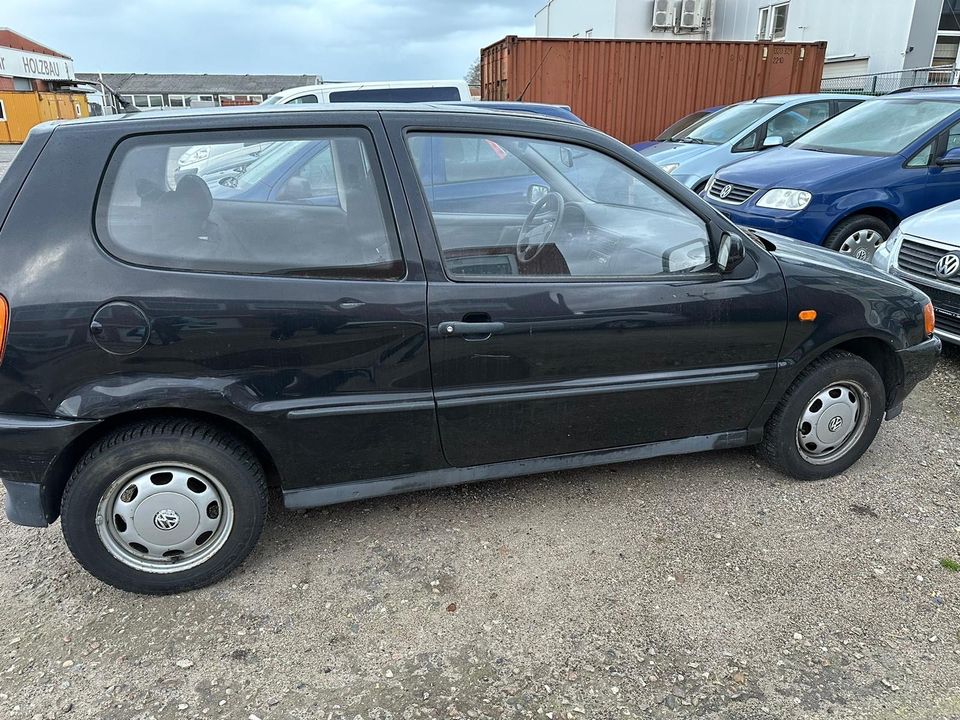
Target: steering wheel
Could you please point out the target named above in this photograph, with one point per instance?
(539, 226)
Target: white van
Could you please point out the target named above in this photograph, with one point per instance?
(403, 91)
(216, 160)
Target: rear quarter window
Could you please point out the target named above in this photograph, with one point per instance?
(264, 203)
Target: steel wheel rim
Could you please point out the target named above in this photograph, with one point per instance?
(164, 517)
(862, 244)
(832, 422)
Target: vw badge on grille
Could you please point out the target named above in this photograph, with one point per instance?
(726, 191)
(948, 265)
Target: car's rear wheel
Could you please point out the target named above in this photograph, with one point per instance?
(163, 507)
(827, 419)
(858, 236)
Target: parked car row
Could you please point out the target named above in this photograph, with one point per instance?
(865, 178)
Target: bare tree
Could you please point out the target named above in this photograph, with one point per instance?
(473, 74)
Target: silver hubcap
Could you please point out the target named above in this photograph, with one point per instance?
(833, 422)
(164, 518)
(862, 244)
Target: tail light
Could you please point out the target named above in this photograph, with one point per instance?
(929, 319)
(4, 324)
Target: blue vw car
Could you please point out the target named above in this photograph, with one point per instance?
(742, 130)
(849, 182)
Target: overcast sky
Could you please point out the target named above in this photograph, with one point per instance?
(337, 39)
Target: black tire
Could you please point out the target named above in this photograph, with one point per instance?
(128, 449)
(780, 446)
(852, 225)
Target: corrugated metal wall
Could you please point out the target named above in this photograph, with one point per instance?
(633, 89)
(23, 110)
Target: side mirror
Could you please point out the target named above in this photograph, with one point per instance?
(950, 158)
(535, 193)
(772, 141)
(730, 253)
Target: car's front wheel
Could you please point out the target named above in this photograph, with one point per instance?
(858, 236)
(163, 507)
(827, 419)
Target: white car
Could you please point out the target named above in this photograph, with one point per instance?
(925, 251)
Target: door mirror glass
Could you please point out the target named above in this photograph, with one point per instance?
(772, 141)
(950, 158)
(730, 253)
(535, 193)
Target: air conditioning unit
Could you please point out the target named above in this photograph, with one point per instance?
(692, 13)
(664, 14)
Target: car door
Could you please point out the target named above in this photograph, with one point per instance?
(943, 182)
(297, 309)
(617, 331)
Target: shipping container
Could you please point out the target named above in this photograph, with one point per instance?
(20, 111)
(633, 89)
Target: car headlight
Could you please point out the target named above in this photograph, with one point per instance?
(886, 255)
(785, 199)
(194, 156)
(670, 168)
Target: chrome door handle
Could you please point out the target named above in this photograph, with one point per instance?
(456, 327)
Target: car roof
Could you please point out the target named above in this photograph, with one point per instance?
(372, 85)
(933, 93)
(803, 97)
(440, 107)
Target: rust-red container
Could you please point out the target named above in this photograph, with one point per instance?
(633, 89)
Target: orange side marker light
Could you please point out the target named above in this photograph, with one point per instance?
(929, 319)
(808, 315)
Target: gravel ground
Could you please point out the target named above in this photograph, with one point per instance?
(697, 586)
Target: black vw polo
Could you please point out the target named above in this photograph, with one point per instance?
(370, 300)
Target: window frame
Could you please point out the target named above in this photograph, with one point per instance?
(763, 22)
(228, 135)
(714, 231)
(785, 6)
(3, 111)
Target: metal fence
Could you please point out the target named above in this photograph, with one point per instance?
(887, 82)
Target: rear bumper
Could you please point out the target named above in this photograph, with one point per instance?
(918, 362)
(30, 447)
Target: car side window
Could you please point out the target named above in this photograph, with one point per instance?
(923, 157)
(792, 123)
(539, 208)
(309, 99)
(308, 206)
(953, 138)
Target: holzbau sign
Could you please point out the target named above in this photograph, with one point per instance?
(17, 63)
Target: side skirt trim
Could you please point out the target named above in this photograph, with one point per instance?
(446, 477)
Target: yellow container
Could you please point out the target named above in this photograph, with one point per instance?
(23, 110)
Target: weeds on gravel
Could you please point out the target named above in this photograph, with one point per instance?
(949, 564)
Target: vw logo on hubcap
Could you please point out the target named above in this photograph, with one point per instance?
(726, 191)
(948, 265)
(835, 423)
(166, 520)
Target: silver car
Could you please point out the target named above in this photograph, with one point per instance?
(925, 251)
(739, 131)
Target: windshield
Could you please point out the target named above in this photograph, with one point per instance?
(877, 127)
(682, 124)
(723, 126)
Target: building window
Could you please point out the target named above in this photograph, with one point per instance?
(181, 101)
(3, 112)
(764, 22)
(950, 16)
(144, 102)
(240, 99)
(22, 84)
(772, 23)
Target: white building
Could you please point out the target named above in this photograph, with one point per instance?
(863, 36)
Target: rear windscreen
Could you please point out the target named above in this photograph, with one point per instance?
(404, 94)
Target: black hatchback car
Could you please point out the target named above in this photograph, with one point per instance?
(383, 299)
